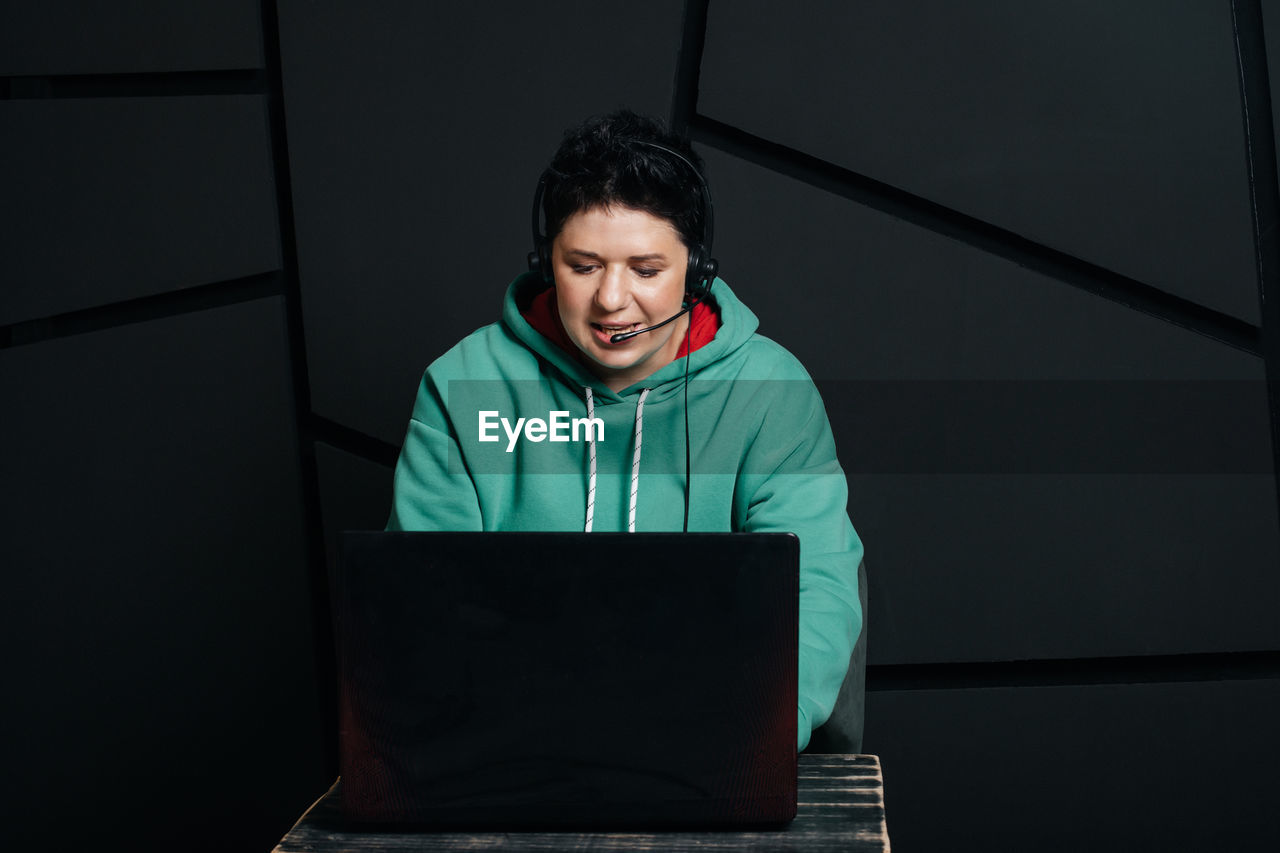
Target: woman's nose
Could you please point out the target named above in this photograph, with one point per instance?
(612, 294)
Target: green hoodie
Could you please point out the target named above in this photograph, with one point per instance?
(763, 459)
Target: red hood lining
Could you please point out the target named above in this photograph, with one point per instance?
(543, 315)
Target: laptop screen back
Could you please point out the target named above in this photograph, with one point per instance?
(507, 679)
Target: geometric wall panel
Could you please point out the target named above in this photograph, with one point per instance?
(88, 37)
(1172, 766)
(355, 494)
(416, 138)
(1109, 131)
(112, 199)
(1020, 567)
(898, 302)
(986, 544)
(1271, 36)
(158, 654)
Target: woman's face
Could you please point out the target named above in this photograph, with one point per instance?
(618, 269)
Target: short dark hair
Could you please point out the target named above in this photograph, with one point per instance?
(599, 164)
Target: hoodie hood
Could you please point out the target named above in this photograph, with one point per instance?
(737, 325)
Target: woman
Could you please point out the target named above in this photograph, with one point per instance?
(625, 388)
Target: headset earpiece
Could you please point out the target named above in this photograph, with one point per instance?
(540, 257)
(702, 270)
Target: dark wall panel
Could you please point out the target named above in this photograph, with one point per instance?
(977, 550)
(355, 494)
(416, 136)
(108, 200)
(158, 648)
(910, 304)
(90, 37)
(1118, 767)
(1271, 38)
(1109, 131)
(1001, 567)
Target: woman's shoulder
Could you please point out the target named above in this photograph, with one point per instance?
(490, 352)
(487, 356)
(761, 357)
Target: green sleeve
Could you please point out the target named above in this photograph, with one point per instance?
(432, 489)
(799, 487)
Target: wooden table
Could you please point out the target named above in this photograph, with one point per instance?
(840, 808)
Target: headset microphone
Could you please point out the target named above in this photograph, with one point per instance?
(626, 336)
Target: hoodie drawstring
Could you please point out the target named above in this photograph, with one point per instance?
(635, 462)
(591, 465)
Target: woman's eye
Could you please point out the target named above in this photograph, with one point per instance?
(645, 272)
(582, 269)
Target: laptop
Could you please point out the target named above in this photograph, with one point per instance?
(594, 680)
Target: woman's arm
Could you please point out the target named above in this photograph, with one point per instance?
(793, 482)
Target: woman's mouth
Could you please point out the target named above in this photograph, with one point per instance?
(604, 332)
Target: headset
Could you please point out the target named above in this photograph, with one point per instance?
(697, 278)
(702, 267)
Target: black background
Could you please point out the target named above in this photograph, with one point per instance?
(234, 234)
